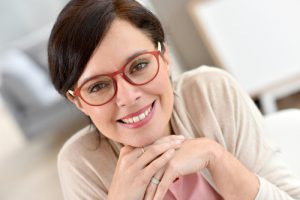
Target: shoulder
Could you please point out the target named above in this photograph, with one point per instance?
(209, 99)
(85, 165)
(208, 83)
(205, 76)
(204, 69)
(88, 145)
(82, 143)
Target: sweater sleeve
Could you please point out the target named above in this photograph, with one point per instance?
(83, 167)
(277, 181)
(213, 96)
(78, 182)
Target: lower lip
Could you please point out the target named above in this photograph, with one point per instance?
(143, 121)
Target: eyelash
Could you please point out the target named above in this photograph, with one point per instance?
(97, 85)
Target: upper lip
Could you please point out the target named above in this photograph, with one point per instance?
(136, 113)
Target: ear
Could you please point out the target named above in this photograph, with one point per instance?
(76, 101)
(166, 57)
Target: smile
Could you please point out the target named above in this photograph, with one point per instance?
(138, 119)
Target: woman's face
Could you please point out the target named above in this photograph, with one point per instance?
(154, 99)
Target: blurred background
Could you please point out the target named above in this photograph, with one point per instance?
(256, 41)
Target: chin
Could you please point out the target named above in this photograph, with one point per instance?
(140, 143)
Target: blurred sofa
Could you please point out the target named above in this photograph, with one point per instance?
(27, 91)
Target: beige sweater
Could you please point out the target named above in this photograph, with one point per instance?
(208, 103)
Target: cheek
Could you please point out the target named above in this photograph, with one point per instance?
(163, 83)
(103, 119)
(101, 116)
(164, 89)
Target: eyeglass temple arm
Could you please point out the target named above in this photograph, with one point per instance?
(159, 47)
(71, 92)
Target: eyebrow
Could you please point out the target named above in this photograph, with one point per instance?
(134, 55)
(127, 60)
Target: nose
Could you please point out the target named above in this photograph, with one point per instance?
(127, 94)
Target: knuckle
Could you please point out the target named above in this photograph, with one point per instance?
(124, 150)
(124, 161)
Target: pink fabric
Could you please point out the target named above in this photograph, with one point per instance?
(191, 187)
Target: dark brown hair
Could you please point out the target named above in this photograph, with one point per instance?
(80, 28)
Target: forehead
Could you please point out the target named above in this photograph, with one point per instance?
(123, 31)
(121, 42)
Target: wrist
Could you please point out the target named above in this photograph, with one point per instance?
(231, 177)
(216, 154)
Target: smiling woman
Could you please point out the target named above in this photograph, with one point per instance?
(190, 139)
(131, 91)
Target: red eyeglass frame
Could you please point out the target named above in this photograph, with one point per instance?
(121, 71)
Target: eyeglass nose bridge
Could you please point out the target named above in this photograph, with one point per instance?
(115, 81)
(122, 73)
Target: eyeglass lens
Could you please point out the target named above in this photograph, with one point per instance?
(139, 71)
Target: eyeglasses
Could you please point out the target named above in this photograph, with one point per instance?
(138, 71)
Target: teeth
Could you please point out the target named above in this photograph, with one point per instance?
(147, 112)
(142, 116)
(137, 118)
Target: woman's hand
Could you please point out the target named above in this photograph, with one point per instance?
(193, 156)
(231, 177)
(136, 167)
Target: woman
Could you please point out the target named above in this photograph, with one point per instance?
(200, 138)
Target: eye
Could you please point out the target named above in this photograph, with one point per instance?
(139, 66)
(99, 87)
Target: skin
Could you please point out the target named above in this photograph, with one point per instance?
(111, 56)
(166, 156)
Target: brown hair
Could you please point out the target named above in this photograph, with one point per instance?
(80, 28)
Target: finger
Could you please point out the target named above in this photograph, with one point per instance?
(166, 180)
(155, 151)
(169, 138)
(160, 162)
(151, 189)
(148, 172)
(128, 155)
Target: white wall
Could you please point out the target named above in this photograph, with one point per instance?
(21, 17)
(180, 29)
(177, 63)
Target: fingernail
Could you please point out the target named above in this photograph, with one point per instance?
(179, 141)
(181, 137)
